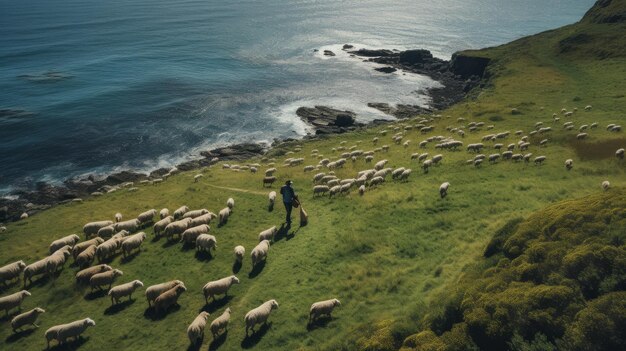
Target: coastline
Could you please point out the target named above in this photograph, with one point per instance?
(458, 76)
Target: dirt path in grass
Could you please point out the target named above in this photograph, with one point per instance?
(238, 190)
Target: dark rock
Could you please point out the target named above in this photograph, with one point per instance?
(329, 53)
(387, 69)
(348, 46)
(235, 152)
(411, 57)
(344, 120)
(158, 173)
(372, 53)
(400, 111)
(125, 176)
(467, 66)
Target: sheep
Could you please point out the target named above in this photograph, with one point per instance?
(12, 301)
(86, 257)
(218, 287)
(239, 252)
(204, 219)
(581, 136)
(197, 177)
(259, 253)
(177, 228)
(569, 163)
(52, 333)
(334, 190)
(269, 181)
(230, 203)
(206, 242)
(168, 298)
(320, 189)
(132, 242)
(259, 315)
(478, 162)
(160, 226)
(118, 217)
(375, 181)
(180, 212)
(318, 177)
(126, 289)
(422, 157)
(619, 154)
(146, 216)
(270, 172)
(152, 292)
(527, 157)
(57, 259)
(443, 189)
(493, 158)
(362, 189)
(253, 169)
(11, 271)
(80, 247)
(268, 234)
(606, 185)
(87, 273)
(220, 322)
(70, 240)
(93, 227)
(107, 248)
(131, 225)
(426, 165)
(223, 215)
(539, 160)
(73, 329)
(26, 318)
(195, 331)
(190, 235)
(164, 213)
(106, 232)
(405, 174)
(24, 215)
(309, 168)
(380, 164)
(322, 307)
(33, 269)
(195, 213)
(99, 279)
(397, 172)
(544, 142)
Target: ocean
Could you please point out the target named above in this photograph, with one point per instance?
(93, 87)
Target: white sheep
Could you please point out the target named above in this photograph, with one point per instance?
(270, 172)
(259, 315)
(320, 189)
(146, 216)
(190, 235)
(87, 273)
(195, 213)
(362, 189)
(26, 318)
(259, 253)
(619, 153)
(107, 248)
(204, 219)
(132, 242)
(443, 189)
(223, 215)
(73, 329)
(177, 228)
(397, 172)
(57, 259)
(70, 240)
(218, 287)
(197, 177)
(269, 181)
(322, 307)
(206, 242)
(80, 247)
(152, 292)
(11, 271)
(105, 278)
(405, 174)
(539, 159)
(195, 331)
(24, 215)
(268, 234)
(569, 163)
(106, 232)
(230, 203)
(131, 225)
(581, 136)
(606, 185)
(86, 256)
(51, 333)
(272, 199)
(160, 226)
(239, 252)
(180, 212)
(118, 217)
(35, 268)
(12, 301)
(220, 323)
(93, 227)
(126, 289)
(168, 298)
(164, 213)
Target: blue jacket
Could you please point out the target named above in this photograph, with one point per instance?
(288, 193)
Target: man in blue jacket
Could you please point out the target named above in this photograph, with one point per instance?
(289, 196)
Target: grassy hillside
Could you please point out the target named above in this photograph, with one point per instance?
(389, 255)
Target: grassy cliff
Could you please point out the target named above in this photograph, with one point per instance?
(390, 255)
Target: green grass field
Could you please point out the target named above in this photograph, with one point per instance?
(388, 256)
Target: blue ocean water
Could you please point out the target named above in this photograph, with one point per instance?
(100, 86)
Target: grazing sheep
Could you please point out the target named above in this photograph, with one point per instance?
(380, 165)
(588, 108)
(405, 174)
(539, 159)
(69, 240)
(218, 287)
(26, 318)
(527, 157)
(195, 331)
(220, 323)
(270, 172)
(190, 235)
(397, 172)
(118, 217)
(33, 269)
(146, 216)
(131, 225)
(132, 242)
(259, 253)
(93, 227)
(164, 213)
(443, 189)
(204, 219)
(374, 181)
(426, 165)
(239, 252)
(86, 257)
(127, 289)
(11, 271)
(107, 248)
(168, 298)
(206, 242)
(152, 292)
(334, 190)
(105, 278)
(223, 216)
(177, 228)
(197, 177)
(230, 203)
(180, 212)
(80, 247)
(87, 273)
(195, 213)
(268, 234)
(322, 307)
(320, 189)
(259, 315)
(581, 136)
(24, 215)
(73, 329)
(362, 190)
(493, 158)
(606, 185)
(569, 163)
(269, 181)
(51, 333)
(619, 154)
(106, 232)
(12, 301)
(160, 226)
(57, 259)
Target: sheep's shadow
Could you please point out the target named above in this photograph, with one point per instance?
(270, 208)
(320, 322)
(118, 307)
(10, 315)
(6, 287)
(195, 347)
(223, 223)
(204, 255)
(20, 334)
(96, 294)
(39, 282)
(256, 270)
(236, 267)
(70, 345)
(282, 232)
(131, 257)
(151, 314)
(155, 238)
(169, 242)
(187, 246)
(255, 337)
(215, 305)
(219, 341)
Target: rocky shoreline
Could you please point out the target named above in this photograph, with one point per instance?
(458, 76)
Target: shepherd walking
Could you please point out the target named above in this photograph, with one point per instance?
(289, 197)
